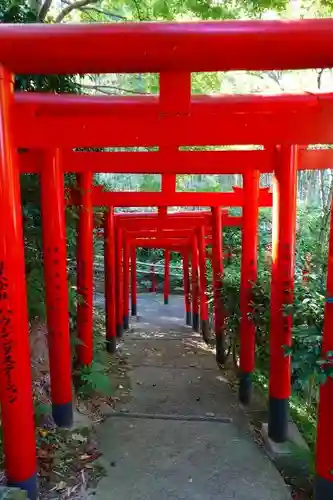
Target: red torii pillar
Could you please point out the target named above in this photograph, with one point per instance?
(126, 282)
(203, 283)
(323, 484)
(85, 262)
(248, 277)
(195, 283)
(119, 282)
(186, 276)
(17, 411)
(110, 281)
(133, 282)
(166, 276)
(56, 287)
(217, 264)
(282, 289)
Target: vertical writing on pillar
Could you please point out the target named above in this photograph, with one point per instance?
(54, 256)
(287, 290)
(83, 291)
(6, 332)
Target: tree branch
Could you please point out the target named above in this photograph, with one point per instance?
(137, 7)
(101, 11)
(104, 89)
(72, 6)
(319, 76)
(44, 10)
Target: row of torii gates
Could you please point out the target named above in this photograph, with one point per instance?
(41, 133)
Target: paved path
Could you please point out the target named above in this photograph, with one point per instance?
(183, 435)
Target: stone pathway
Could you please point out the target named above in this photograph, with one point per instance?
(183, 435)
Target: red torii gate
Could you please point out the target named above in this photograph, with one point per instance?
(58, 49)
(261, 197)
(183, 222)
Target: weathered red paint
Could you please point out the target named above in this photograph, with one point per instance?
(217, 265)
(166, 290)
(85, 261)
(126, 280)
(195, 280)
(174, 161)
(154, 47)
(324, 449)
(17, 411)
(248, 274)
(202, 274)
(119, 281)
(169, 120)
(133, 281)
(283, 264)
(100, 197)
(56, 285)
(186, 278)
(110, 278)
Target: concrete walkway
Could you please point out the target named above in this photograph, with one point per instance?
(183, 435)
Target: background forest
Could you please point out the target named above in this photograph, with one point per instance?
(314, 188)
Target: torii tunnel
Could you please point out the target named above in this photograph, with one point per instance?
(50, 128)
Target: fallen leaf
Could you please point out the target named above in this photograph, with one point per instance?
(43, 432)
(60, 486)
(79, 437)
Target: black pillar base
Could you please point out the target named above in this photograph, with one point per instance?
(134, 310)
(188, 318)
(195, 324)
(29, 485)
(126, 323)
(278, 419)
(166, 301)
(205, 330)
(220, 354)
(120, 331)
(323, 488)
(111, 345)
(245, 388)
(63, 414)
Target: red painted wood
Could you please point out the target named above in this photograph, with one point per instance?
(119, 277)
(202, 274)
(181, 162)
(308, 126)
(126, 281)
(181, 223)
(133, 279)
(217, 265)
(85, 261)
(17, 411)
(141, 199)
(154, 47)
(186, 279)
(248, 270)
(55, 275)
(283, 264)
(166, 276)
(195, 275)
(324, 451)
(167, 243)
(110, 275)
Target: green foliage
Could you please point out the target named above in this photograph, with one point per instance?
(21, 12)
(95, 379)
(309, 370)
